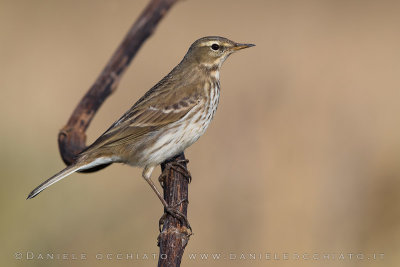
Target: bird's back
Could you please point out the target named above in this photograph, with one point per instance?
(168, 118)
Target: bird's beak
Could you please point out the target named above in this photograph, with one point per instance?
(241, 46)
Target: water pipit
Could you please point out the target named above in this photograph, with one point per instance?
(170, 117)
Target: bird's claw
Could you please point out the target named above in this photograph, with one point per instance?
(174, 212)
(177, 166)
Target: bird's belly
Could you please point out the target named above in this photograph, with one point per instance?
(177, 137)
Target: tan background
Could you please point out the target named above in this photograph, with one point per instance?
(302, 157)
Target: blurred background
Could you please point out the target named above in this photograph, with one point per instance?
(303, 156)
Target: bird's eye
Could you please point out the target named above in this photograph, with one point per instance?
(215, 47)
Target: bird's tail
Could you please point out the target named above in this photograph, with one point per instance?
(54, 179)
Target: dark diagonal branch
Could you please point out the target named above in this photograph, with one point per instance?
(72, 138)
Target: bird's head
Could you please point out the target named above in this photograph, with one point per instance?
(212, 51)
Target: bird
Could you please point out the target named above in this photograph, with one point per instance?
(166, 120)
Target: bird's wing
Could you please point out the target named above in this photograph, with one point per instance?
(147, 115)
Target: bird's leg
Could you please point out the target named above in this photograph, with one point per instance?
(173, 211)
(147, 176)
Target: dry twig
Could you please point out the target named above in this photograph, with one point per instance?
(72, 137)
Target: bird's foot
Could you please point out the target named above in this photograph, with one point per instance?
(174, 212)
(177, 166)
